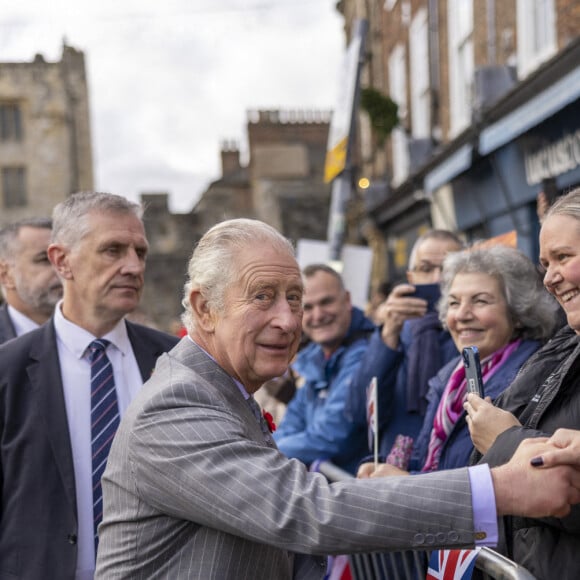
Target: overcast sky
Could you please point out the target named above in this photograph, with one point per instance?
(170, 80)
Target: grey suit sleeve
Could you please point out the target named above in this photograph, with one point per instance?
(199, 462)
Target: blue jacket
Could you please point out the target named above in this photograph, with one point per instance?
(316, 424)
(458, 447)
(390, 368)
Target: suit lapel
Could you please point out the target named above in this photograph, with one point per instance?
(146, 353)
(192, 356)
(46, 380)
(6, 326)
(189, 354)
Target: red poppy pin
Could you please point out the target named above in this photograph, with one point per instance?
(269, 420)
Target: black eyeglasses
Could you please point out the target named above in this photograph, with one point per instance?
(427, 268)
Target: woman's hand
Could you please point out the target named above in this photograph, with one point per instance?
(367, 470)
(395, 310)
(485, 421)
(566, 443)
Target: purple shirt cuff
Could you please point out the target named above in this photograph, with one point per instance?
(483, 501)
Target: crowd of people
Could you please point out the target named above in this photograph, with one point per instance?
(492, 298)
(127, 452)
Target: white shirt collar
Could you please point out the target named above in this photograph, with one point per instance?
(22, 324)
(241, 387)
(77, 339)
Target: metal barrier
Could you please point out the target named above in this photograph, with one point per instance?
(412, 564)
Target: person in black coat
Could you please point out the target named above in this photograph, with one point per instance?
(544, 397)
(46, 490)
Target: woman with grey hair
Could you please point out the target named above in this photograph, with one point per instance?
(530, 307)
(491, 298)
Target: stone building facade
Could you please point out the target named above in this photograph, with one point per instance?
(46, 155)
(45, 134)
(286, 168)
(281, 184)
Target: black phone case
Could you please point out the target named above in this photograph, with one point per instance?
(429, 292)
(473, 370)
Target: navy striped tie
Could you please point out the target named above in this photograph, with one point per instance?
(104, 420)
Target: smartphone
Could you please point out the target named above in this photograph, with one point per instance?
(473, 370)
(429, 292)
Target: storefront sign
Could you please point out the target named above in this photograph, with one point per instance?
(554, 159)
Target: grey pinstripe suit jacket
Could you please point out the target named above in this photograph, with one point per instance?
(193, 489)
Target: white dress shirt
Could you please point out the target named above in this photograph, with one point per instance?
(72, 342)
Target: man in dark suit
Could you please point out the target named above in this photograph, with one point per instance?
(30, 285)
(195, 486)
(47, 515)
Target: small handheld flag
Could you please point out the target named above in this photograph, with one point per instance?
(373, 419)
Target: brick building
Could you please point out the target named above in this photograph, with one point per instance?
(282, 183)
(45, 135)
(487, 92)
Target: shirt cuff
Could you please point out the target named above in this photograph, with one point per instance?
(483, 503)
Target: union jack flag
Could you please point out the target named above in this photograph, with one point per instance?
(451, 564)
(339, 569)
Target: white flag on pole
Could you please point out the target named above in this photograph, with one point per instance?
(373, 418)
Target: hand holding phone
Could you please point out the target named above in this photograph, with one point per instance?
(473, 370)
(429, 292)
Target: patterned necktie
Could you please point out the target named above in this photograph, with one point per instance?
(104, 420)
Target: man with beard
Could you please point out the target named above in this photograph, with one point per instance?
(30, 285)
(64, 385)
